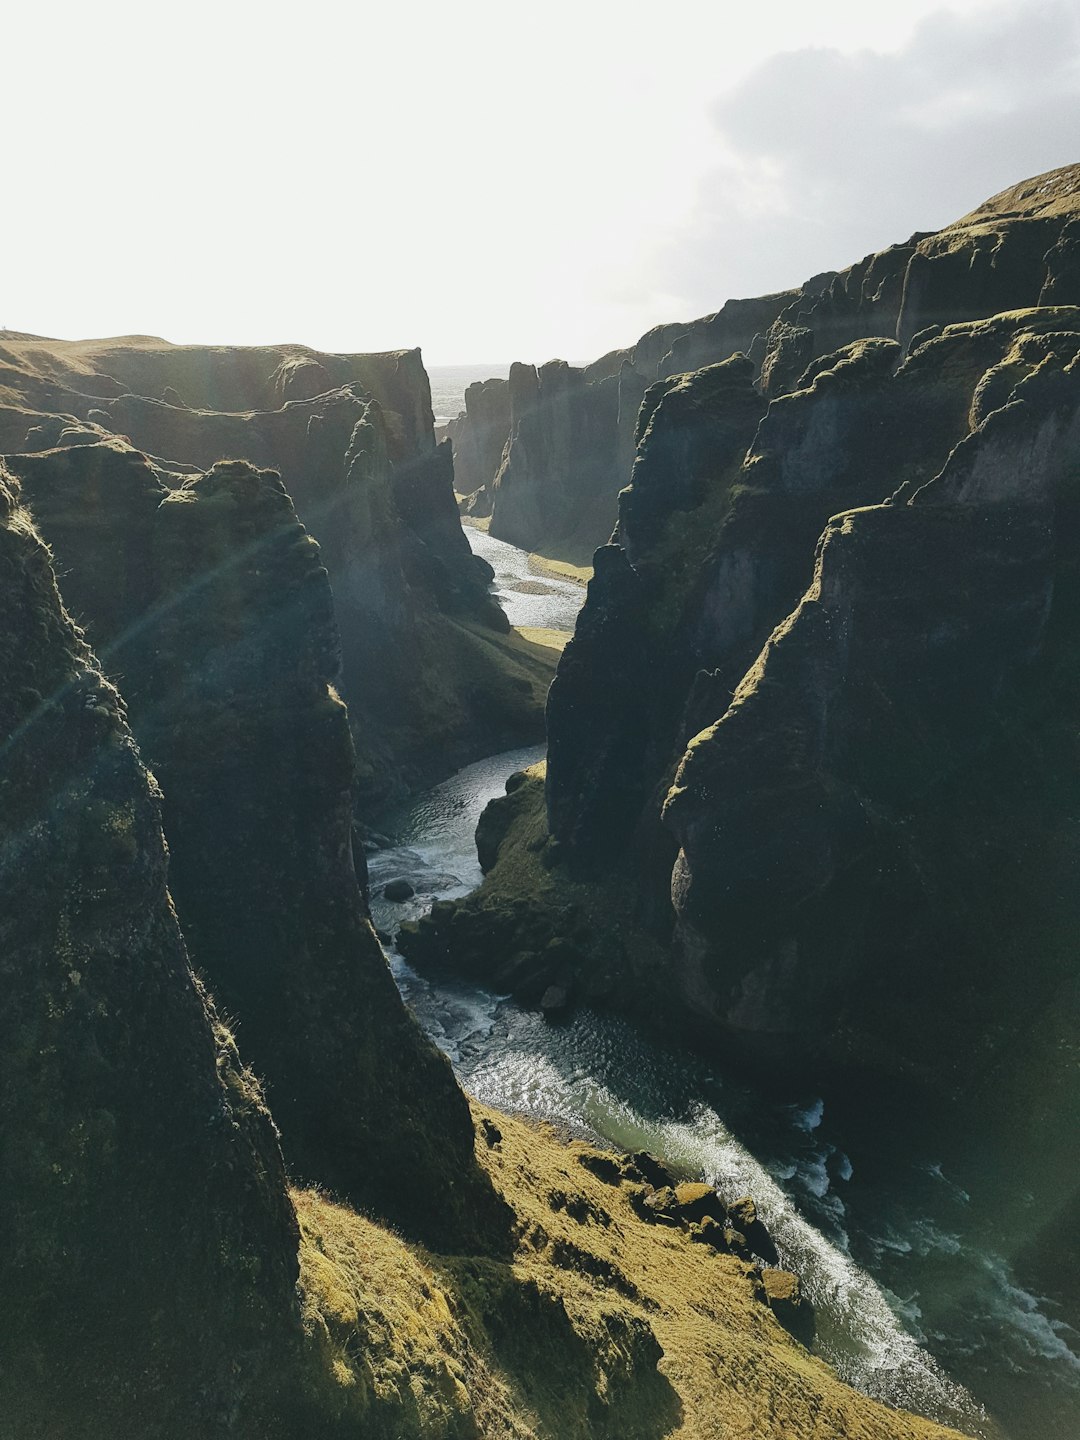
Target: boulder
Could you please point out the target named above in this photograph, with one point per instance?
(785, 1298)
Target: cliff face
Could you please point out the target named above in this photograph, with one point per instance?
(479, 436)
(895, 675)
(554, 479)
(212, 604)
(1017, 250)
(352, 439)
(716, 544)
(157, 1278)
(766, 891)
(149, 1257)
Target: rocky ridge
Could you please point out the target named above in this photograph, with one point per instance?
(1017, 250)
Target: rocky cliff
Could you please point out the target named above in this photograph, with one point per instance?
(150, 1251)
(810, 784)
(431, 675)
(157, 1277)
(212, 603)
(717, 536)
(1017, 250)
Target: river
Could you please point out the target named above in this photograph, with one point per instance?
(915, 1305)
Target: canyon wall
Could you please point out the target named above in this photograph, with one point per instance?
(432, 675)
(212, 603)
(1017, 250)
(149, 1265)
(159, 1277)
(809, 785)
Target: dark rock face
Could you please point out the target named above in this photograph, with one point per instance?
(898, 668)
(479, 436)
(616, 702)
(352, 439)
(212, 603)
(1017, 250)
(555, 476)
(149, 1253)
(707, 569)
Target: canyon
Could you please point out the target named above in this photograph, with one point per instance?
(806, 809)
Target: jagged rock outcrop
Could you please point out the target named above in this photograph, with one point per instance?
(431, 676)
(149, 1248)
(1017, 250)
(212, 604)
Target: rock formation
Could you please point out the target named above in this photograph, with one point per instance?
(149, 1256)
(553, 480)
(157, 1277)
(479, 436)
(211, 603)
(431, 676)
(1017, 250)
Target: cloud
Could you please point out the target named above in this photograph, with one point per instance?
(824, 156)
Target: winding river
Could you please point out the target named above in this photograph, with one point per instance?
(915, 1305)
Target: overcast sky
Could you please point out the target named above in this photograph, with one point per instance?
(495, 180)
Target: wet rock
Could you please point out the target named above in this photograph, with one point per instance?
(662, 1206)
(491, 1132)
(398, 890)
(709, 1231)
(555, 1001)
(605, 1167)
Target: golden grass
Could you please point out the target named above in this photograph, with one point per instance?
(561, 569)
(549, 639)
(599, 1324)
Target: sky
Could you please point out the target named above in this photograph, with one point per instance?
(493, 181)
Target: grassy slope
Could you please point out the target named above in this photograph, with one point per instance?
(561, 1339)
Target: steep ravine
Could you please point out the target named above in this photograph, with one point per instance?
(157, 1277)
(904, 1275)
(857, 1245)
